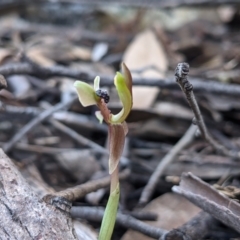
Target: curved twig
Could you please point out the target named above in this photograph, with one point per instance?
(181, 73)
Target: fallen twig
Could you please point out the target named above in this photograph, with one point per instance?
(158, 3)
(63, 128)
(42, 116)
(39, 148)
(96, 214)
(60, 71)
(74, 193)
(82, 140)
(210, 200)
(135, 3)
(77, 137)
(144, 216)
(181, 73)
(196, 228)
(169, 157)
(62, 116)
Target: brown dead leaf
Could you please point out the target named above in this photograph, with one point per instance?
(48, 50)
(79, 52)
(94, 68)
(173, 211)
(80, 163)
(7, 95)
(173, 110)
(4, 53)
(159, 127)
(3, 82)
(37, 55)
(145, 51)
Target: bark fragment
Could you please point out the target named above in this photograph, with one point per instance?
(23, 215)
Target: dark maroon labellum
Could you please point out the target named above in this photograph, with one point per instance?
(103, 94)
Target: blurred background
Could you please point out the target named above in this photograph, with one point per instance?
(45, 45)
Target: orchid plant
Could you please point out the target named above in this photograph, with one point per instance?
(117, 127)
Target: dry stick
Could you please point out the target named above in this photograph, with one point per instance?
(40, 149)
(77, 137)
(209, 199)
(33, 111)
(45, 72)
(133, 3)
(157, 3)
(144, 216)
(74, 193)
(181, 73)
(41, 117)
(96, 214)
(80, 139)
(196, 228)
(171, 155)
(63, 116)
(45, 114)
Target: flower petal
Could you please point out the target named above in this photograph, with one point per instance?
(128, 77)
(96, 83)
(86, 94)
(116, 145)
(125, 97)
(99, 116)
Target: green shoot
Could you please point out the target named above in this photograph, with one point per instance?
(89, 95)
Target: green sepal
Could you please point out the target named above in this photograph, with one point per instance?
(125, 97)
(99, 116)
(96, 85)
(110, 215)
(86, 94)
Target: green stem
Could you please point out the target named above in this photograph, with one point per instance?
(114, 180)
(110, 213)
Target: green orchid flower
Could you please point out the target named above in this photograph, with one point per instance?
(88, 96)
(123, 83)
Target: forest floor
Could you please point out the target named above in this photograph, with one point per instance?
(178, 162)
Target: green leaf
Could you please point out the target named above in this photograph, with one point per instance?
(109, 217)
(86, 94)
